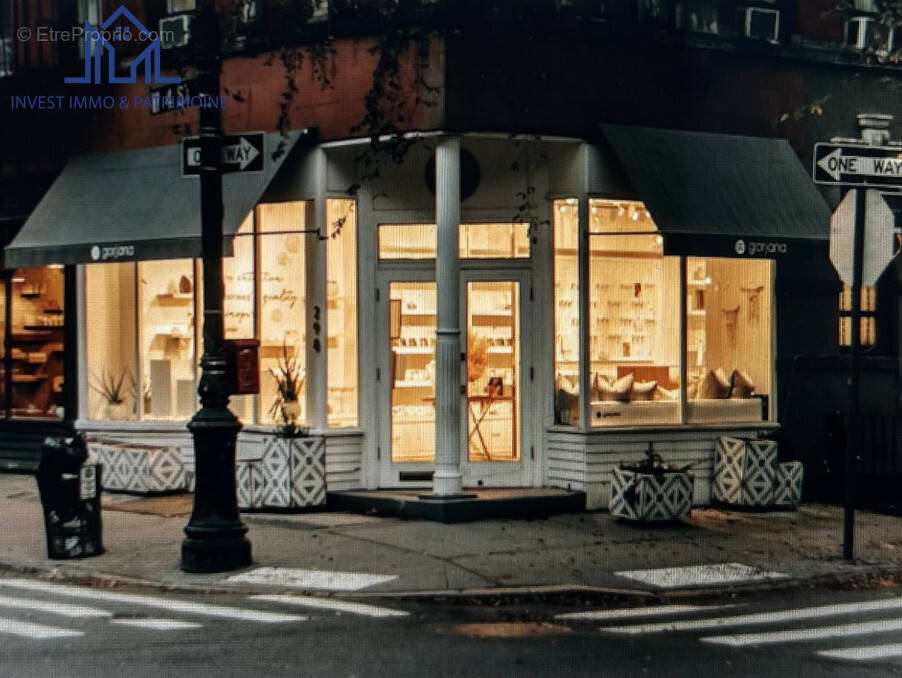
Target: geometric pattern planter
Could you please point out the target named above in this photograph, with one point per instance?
(140, 469)
(788, 487)
(745, 472)
(291, 473)
(650, 497)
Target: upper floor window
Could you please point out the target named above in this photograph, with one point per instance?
(868, 332)
(6, 46)
(90, 11)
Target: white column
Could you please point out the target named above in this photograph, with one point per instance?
(315, 283)
(447, 479)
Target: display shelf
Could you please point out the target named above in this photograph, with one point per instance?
(40, 334)
(41, 328)
(176, 296)
(402, 383)
(501, 349)
(28, 378)
(416, 312)
(414, 350)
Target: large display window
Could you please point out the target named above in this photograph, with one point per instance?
(35, 361)
(144, 334)
(341, 303)
(635, 329)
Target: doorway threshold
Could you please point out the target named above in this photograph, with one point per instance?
(476, 504)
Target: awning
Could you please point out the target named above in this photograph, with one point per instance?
(723, 195)
(134, 205)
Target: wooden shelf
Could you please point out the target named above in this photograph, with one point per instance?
(28, 378)
(416, 350)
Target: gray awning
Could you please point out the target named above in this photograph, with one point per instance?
(722, 195)
(133, 205)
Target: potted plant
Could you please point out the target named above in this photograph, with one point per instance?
(291, 472)
(286, 408)
(114, 388)
(650, 490)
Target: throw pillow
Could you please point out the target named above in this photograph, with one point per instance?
(643, 390)
(715, 384)
(742, 385)
(617, 391)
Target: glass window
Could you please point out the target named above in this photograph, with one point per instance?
(280, 296)
(634, 325)
(2, 348)
(868, 331)
(111, 343)
(167, 305)
(729, 355)
(239, 303)
(36, 342)
(477, 241)
(566, 312)
(341, 304)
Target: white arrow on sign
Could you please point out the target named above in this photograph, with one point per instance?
(242, 154)
(878, 237)
(836, 164)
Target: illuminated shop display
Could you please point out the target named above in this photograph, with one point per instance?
(144, 321)
(635, 328)
(35, 362)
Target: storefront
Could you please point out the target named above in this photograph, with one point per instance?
(633, 270)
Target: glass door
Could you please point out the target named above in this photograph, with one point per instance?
(493, 407)
(406, 382)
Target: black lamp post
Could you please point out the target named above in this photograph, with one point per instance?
(216, 539)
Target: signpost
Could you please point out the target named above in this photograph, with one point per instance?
(858, 165)
(240, 153)
(861, 246)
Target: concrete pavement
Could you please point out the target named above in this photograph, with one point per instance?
(586, 552)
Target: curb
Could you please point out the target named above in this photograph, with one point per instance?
(867, 577)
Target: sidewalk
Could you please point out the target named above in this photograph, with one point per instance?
(143, 537)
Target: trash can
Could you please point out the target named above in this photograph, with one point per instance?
(70, 496)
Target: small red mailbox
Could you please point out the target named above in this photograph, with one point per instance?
(244, 360)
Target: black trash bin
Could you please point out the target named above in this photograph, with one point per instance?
(70, 495)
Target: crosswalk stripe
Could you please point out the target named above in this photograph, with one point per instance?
(865, 653)
(336, 605)
(157, 624)
(761, 618)
(54, 608)
(149, 601)
(819, 633)
(35, 631)
(634, 612)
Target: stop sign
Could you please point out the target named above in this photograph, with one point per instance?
(877, 249)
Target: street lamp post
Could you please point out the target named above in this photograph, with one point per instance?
(216, 540)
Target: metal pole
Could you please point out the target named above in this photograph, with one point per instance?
(216, 539)
(852, 420)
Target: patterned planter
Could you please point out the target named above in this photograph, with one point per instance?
(650, 497)
(140, 469)
(291, 473)
(745, 472)
(788, 490)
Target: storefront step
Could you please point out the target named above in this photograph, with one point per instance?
(480, 504)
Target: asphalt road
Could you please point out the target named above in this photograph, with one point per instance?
(63, 630)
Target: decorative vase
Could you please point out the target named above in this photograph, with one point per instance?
(650, 497)
(115, 411)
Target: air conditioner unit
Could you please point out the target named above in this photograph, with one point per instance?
(760, 23)
(858, 32)
(175, 31)
(178, 6)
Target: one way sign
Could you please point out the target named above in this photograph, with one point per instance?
(240, 153)
(857, 165)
